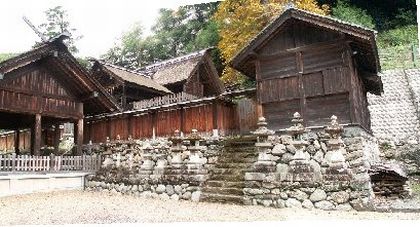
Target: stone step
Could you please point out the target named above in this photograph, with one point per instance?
(228, 177)
(219, 198)
(234, 165)
(239, 155)
(227, 184)
(228, 171)
(236, 160)
(223, 191)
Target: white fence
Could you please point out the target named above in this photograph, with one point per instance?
(30, 163)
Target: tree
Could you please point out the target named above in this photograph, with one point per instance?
(346, 12)
(57, 23)
(176, 32)
(240, 20)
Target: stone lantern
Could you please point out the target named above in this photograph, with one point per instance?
(300, 168)
(177, 150)
(265, 160)
(194, 160)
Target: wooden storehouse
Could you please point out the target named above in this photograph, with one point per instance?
(194, 74)
(311, 64)
(126, 86)
(45, 87)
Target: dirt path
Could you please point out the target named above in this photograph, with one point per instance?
(71, 207)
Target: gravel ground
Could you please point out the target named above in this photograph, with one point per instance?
(77, 207)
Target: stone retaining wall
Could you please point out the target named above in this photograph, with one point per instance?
(173, 168)
(305, 169)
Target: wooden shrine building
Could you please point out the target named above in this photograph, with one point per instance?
(315, 65)
(46, 87)
(126, 86)
(193, 73)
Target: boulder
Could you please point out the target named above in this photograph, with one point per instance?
(307, 204)
(170, 190)
(160, 188)
(278, 150)
(164, 196)
(324, 205)
(318, 195)
(340, 197)
(178, 189)
(344, 207)
(293, 203)
(195, 196)
(186, 195)
(299, 195)
(280, 203)
(175, 197)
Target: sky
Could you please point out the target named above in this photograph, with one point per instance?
(101, 22)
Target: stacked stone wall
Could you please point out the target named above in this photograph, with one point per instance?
(173, 168)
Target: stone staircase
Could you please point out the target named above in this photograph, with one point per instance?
(226, 180)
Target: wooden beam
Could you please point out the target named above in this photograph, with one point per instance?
(299, 63)
(260, 112)
(17, 141)
(79, 136)
(56, 138)
(37, 135)
(182, 121)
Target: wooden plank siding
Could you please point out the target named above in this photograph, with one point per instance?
(200, 116)
(307, 70)
(33, 89)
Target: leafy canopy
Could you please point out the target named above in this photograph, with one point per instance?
(56, 23)
(240, 20)
(176, 32)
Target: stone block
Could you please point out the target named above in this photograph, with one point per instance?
(318, 195)
(324, 205)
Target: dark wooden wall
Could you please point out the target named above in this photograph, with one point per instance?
(33, 89)
(7, 140)
(203, 116)
(308, 70)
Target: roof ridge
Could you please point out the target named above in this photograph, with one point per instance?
(175, 60)
(139, 73)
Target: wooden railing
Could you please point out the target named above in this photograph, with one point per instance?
(163, 100)
(30, 163)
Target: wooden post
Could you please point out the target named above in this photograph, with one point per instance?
(299, 63)
(129, 126)
(56, 137)
(154, 124)
(37, 135)
(182, 121)
(259, 90)
(17, 141)
(215, 117)
(79, 136)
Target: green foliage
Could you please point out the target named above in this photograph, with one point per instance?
(346, 12)
(5, 56)
(398, 36)
(57, 23)
(176, 32)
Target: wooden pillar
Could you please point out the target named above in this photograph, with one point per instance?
(37, 134)
(215, 115)
(154, 124)
(17, 141)
(259, 90)
(79, 136)
(299, 63)
(182, 121)
(56, 138)
(129, 126)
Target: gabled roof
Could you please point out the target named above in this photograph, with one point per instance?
(132, 77)
(176, 69)
(362, 39)
(60, 60)
(180, 69)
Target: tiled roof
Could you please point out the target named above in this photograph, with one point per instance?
(394, 115)
(174, 70)
(135, 77)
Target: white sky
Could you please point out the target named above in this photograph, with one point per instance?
(101, 22)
